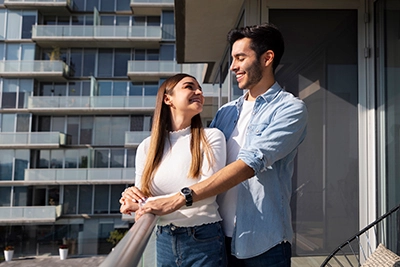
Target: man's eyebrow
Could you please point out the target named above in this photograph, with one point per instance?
(239, 54)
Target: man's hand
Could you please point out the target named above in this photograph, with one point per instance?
(162, 205)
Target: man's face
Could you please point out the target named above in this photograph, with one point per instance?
(245, 64)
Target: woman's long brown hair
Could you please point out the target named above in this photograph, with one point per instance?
(160, 132)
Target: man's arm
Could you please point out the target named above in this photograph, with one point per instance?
(219, 182)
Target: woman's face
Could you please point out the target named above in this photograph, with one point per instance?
(186, 98)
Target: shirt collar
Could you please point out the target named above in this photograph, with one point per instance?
(268, 96)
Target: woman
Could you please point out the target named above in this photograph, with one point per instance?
(179, 153)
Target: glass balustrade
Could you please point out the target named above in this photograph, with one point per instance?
(90, 102)
(105, 31)
(33, 67)
(43, 213)
(136, 137)
(10, 139)
(107, 175)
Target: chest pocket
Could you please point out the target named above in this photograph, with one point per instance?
(256, 129)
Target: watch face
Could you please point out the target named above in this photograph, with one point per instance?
(186, 190)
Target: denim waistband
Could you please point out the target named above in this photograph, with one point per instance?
(174, 230)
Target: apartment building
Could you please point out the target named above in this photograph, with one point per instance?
(78, 81)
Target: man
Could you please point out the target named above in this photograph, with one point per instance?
(263, 128)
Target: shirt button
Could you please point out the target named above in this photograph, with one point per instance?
(173, 228)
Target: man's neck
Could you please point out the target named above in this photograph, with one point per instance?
(259, 89)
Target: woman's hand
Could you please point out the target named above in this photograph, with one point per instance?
(162, 205)
(130, 200)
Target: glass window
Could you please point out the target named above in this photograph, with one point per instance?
(120, 88)
(73, 129)
(123, 5)
(101, 158)
(117, 158)
(27, 51)
(23, 122)
(70, 199)
(58, 124)
(21, 163)
(8, 123)
(2, 23)
(60, 89)
(71, 158)
(102, 130)
(57, 158)
(122, 20)
(101, 196)
(105, 88)
(53, 195)
(107, 5)
(86, 88)
(44, 159)
(2, 46)
(25, 90)
(167, 52)
(83, 158)
(75, 62)
(137, 122)
(86, 130)
(22, 196)
(153, 54)
(14, 25)
(9, 96)
(105, 63)
(136, 88)
(5, 195)
(74, 89)
(168, 25)
(138, 21)
(131, 155)
(122, 56)
(107, 20)
(140, 54)
(6, 163)
(89, 62)
(27, 22)
(153, 21)
(13, 52)
(85, 199)
(44, 124)
(78, 20)
(119, 125)
(151, 88)
(63, 20)
(115, 196)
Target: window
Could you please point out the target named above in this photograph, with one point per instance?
(70, 199)
(105, 62)
(27, 22)
(101, 199)
(85, 199)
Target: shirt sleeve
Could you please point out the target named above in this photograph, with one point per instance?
(271, 141)
(140, 161)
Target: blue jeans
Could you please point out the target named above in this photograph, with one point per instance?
(278, 256)
(198, 246)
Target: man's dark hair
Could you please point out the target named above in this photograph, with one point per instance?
(263, 37)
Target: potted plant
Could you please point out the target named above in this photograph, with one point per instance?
(63, 250)
(8, 253)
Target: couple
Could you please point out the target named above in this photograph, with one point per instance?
(185, 164)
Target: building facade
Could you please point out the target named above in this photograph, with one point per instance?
(78, 82)
(342, 58)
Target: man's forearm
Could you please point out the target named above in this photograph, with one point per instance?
(223, 180)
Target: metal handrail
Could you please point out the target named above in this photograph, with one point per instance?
(129, 250)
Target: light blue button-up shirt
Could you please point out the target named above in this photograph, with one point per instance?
(276, 128)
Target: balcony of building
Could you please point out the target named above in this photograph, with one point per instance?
(33, 139)
(76, 176)
(151, 7)
(133, 139)
(42, 70)
(90, 104)
(118, 36)
(150, 70)
(34, 214)
(59, 7)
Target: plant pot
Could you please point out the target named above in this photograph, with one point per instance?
(8, 254)
(63, 253)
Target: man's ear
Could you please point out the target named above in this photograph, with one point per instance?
(268, 57)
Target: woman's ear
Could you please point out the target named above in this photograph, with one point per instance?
(167, 99)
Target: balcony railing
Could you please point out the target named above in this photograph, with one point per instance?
(79, 176)
(130, 249)
(141, 7)
(140, 70)
(33, 140)
(46, 6)
(135, 138)
(30, 214)
(94, 36)
(94, 104)
(44, 70)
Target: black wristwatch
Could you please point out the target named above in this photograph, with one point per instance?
(187, 193)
